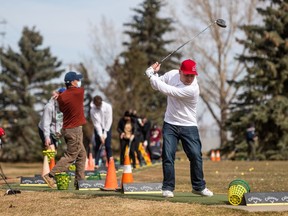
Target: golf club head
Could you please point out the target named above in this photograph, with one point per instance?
(12, 192)
(221, 23)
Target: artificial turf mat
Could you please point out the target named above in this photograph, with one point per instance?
(182, 197)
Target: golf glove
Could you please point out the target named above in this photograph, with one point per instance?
(149, 72)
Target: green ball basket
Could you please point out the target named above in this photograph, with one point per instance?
(240, 182)
(62, 181)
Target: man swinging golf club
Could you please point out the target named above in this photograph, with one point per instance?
(180, 123)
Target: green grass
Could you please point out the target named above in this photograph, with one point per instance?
(262, 176)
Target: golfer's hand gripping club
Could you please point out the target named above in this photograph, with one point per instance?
(152, 70)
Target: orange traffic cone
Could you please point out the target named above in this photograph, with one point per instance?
(213, 155)
(90, 162)
(45, 169)
(127, 171)
(218, 157)
(86, 163)
(111, 178)
(52, 163)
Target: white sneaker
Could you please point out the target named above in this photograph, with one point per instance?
(205, 192)
(167, 193)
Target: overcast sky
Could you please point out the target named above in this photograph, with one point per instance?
(64, 24)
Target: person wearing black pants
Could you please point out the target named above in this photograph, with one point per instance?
(102, 116)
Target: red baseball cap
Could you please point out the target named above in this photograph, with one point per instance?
(2, 132)
(188, 67)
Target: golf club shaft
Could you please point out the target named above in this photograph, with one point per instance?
(4, 178)
(220, 22)
(129, 146)
(187, 42)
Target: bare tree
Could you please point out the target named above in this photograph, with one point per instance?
(215, 50)
(106, 44)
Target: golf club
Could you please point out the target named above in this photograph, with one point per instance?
(10, 190)
(219, 22)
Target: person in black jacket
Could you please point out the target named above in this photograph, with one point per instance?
(146, 127)
(126, 130)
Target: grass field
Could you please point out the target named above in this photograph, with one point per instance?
(262, 176)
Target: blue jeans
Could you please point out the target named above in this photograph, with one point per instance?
(191, 143)
(107, 144)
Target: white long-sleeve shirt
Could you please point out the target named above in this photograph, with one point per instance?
(181, 99)
(102, 118)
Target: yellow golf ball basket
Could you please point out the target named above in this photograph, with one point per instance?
(236, 191)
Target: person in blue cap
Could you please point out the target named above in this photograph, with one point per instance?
(71, 104)
(50, 124)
